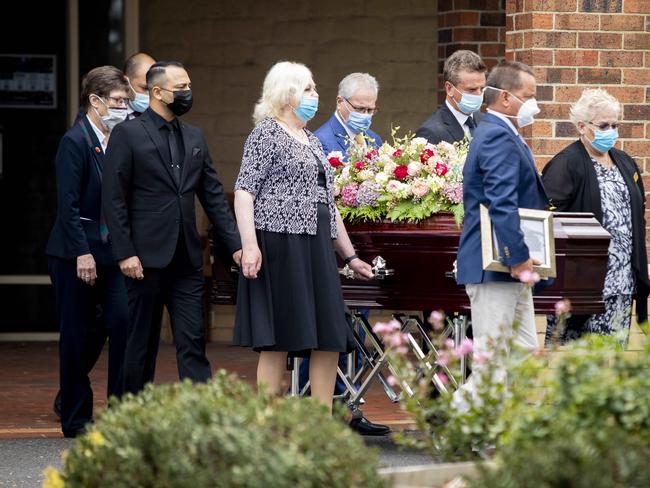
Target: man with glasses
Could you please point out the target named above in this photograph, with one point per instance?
(464, 80)
(356, 103)
(91, 300)
(156, 166)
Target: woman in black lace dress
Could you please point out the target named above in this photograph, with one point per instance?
(289, 298)
(591, 175)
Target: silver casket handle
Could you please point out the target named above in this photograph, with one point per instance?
(379, 269)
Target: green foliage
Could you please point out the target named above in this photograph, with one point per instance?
(219, 434)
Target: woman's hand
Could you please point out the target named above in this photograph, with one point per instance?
(86, 269)
(251, 261)
(362, 270)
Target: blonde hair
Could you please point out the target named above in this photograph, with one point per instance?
(284, 85)
(591, 103)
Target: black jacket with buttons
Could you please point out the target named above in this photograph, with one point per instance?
(146, 208)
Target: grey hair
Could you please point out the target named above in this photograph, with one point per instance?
(356, 81)
(591, 103)
(506, 76)
(462, 60)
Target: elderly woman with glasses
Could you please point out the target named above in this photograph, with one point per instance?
(591, 175)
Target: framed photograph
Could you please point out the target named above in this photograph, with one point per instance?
(537, 226)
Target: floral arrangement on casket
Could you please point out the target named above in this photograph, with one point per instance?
(406, 181)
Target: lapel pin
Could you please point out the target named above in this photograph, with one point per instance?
(97, 150)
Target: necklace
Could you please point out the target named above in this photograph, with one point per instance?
(298, 134)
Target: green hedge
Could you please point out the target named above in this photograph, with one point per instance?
(219, 434)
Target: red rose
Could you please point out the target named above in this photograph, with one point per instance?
(401, 172)
(441, 169)
(425, 155)
(371, 154)
(335, 162)
(359, 165)
(397, 153)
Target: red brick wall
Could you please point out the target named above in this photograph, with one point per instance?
(470, 24)
(578, 44)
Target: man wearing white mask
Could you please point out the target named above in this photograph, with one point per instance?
(90, 295)
(500, 173)
(135, 69)
(464, 80)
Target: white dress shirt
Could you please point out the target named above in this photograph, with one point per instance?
(461, 118)
(345, 126)
(103, 140)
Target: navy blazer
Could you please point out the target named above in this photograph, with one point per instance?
(332, 135)
(500, 173)
(442, 125)
(79, 168)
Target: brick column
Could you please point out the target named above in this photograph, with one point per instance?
(578, 44)
(476, 25)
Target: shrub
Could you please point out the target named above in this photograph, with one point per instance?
(219, 434)
(591, 429)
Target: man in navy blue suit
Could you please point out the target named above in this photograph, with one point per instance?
(356, 103)
(500, 174)
(90, 294)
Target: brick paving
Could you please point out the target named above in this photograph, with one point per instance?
(29, 381)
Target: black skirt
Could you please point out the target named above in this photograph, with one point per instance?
(295, 304)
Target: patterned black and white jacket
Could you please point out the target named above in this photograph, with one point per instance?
(282, 174)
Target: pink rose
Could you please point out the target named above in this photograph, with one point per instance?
(441, 169)
(420, 188)
(397, 153)
(425, 155)
(359, 165)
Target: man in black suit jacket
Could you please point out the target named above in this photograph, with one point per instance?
(91, 300)
(464, 76)
(155, 167)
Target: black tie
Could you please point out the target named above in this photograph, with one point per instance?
(470, 123)
(174, 154)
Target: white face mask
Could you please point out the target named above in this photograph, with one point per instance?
(527, 111)
(113, 116)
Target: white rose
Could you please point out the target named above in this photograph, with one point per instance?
(393, 186)
(414, 168)
(366, 174)
(389, 167)
(382, 178)
(419, 141)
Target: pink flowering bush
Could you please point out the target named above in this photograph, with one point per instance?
(406, 180)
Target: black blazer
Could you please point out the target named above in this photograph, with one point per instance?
(443, 126)
(144, 206)
(571, 183)
(79, 166)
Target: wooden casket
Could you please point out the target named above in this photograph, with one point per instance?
(422, 256)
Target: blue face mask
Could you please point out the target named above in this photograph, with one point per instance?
(469, 103)
(604, 140)
(141, 102)
(359, 122)
(307, 108)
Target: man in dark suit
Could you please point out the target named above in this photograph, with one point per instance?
(464, 78)
(500, 174)
(155, 167)
(135, 69)
(91, 301)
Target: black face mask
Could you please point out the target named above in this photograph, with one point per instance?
(182, 102)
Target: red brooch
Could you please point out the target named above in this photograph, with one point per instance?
(97, 150)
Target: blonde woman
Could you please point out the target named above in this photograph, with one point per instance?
(289, 299)
(591, 175)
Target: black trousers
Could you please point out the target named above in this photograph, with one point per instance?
(180, 287)
(87, 316)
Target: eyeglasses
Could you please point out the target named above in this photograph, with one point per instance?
(605, 125)
(120, 102)
(363, 110)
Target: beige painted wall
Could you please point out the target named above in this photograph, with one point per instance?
(229, 45)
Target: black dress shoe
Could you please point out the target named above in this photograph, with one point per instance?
(364, 427)
(56, 407)
(71, 434)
